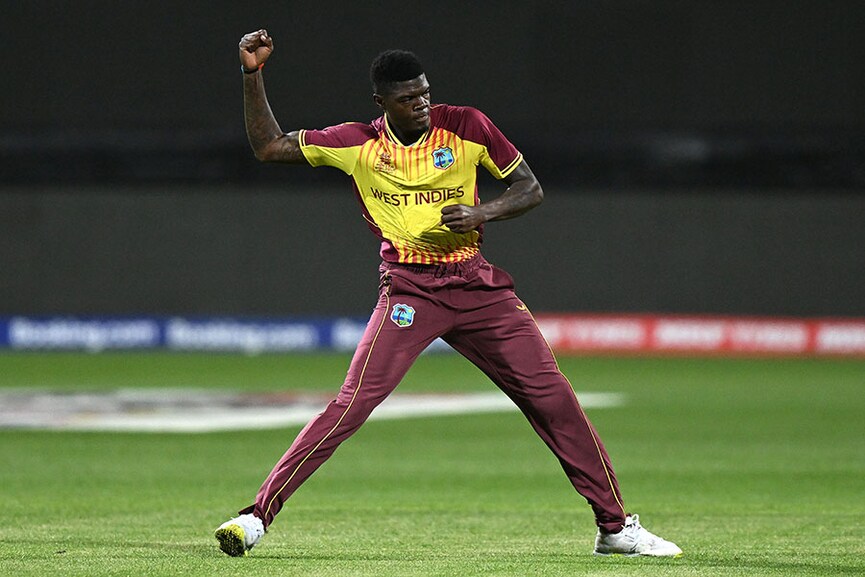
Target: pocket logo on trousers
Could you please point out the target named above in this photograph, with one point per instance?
(402, 315)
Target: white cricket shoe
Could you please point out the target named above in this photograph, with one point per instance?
(239, 535)
(634, 540)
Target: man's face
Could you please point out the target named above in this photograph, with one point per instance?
(407, 106)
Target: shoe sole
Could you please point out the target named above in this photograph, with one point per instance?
(232, 540)
(599, 554)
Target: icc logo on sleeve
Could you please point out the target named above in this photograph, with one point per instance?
(402, 315)
(443, 157)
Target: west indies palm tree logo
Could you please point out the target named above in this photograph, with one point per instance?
(402, 315)
(443, 157)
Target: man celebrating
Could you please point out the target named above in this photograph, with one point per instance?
(414, 172)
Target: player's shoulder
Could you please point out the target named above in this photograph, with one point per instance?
(449, 114)
(345, 134)
(466, 121)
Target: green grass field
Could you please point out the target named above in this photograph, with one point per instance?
(754, 467)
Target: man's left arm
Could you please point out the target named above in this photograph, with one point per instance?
(524, 192)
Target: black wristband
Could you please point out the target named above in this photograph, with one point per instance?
(253, 71)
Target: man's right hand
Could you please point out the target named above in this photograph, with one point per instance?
(255, 49)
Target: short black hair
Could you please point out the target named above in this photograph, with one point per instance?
(393, 66)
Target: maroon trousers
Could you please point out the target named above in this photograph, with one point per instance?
(473, 307)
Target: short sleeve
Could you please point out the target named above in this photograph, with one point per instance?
(335, 146)
(500, 157)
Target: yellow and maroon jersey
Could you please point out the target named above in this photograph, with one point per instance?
(402, 189)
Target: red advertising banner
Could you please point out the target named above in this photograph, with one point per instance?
(575, 333)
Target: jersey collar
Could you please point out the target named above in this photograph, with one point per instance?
(393, 138)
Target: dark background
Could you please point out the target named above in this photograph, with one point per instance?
(697, 156)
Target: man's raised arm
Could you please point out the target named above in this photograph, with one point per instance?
(268, 141)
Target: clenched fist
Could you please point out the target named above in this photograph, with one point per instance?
(255, 49)
(460, 218)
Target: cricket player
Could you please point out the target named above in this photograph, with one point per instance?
(413, 171)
